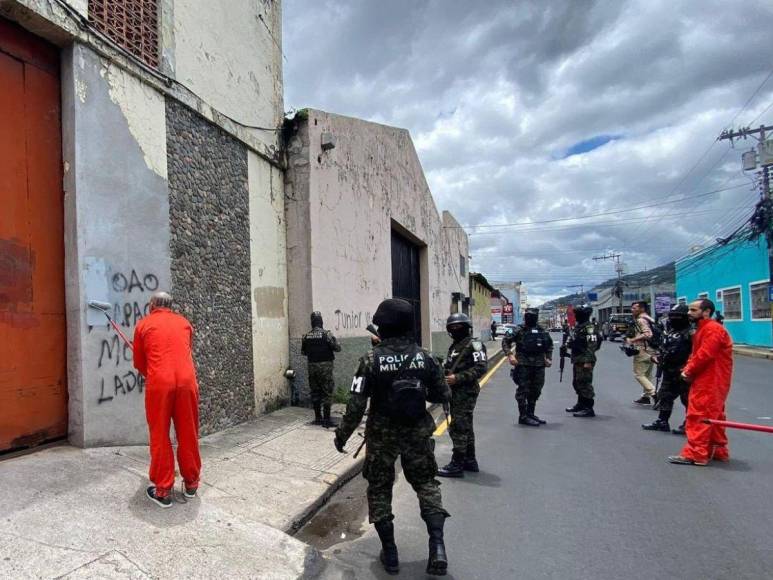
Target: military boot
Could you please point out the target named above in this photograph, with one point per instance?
(455, 468)
(437, 561)
(523, 416)
(530, 410)
(577, 406)
(388, 556)
(657, 425)
(470, 461)
(317, 414)
(586, 410)
(327, 421)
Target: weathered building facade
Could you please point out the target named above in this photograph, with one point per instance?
(160, 123)
(480, 309)
(362, 226)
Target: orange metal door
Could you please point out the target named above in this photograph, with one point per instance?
(33, 387)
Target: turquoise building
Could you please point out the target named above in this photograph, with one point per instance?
(735, 277)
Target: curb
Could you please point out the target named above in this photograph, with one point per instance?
(354, 470)
(753, 353)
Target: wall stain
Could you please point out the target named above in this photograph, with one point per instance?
(17, 263)
(270, 302)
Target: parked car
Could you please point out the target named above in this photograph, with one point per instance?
(502, 329)
(618, 325)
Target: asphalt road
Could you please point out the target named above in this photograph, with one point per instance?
(585, 498)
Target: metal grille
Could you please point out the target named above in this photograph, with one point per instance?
(132, 24)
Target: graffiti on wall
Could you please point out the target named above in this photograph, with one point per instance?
(352, 320)
(116, 374)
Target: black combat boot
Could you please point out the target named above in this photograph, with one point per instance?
(657, 425)
(327, 421)
(470, 461)
(587, 408)
(388, 556)
(455, 468)
(437, 561)
(577, 406)
(523, 416)
(530, 410)
(679, 430)
(317, 414)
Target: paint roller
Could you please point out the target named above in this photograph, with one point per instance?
(105, 308)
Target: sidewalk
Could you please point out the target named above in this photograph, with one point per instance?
(753, 351)
(73, 513)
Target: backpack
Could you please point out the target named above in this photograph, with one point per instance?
(406, 397)
(657, 334)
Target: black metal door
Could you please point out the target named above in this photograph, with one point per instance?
(405, 277)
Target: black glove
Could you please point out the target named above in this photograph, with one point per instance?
(339, 443)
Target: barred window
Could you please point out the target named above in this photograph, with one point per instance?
(132, 24)
(760, 304)
(731, 298)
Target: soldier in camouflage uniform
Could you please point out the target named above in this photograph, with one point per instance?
(529, 350)
(583, 342)
(319, 346)
(399, 378)
(465, 364)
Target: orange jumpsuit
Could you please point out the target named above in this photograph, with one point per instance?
(162, 353)
(710, 368)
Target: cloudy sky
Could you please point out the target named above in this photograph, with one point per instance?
(534, 113)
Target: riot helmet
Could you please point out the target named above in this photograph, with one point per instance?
(459, 326)
(582, 313)
(677, 317)
(531, 317)
(394, 317)
(316, 319)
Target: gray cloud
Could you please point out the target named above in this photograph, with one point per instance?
(493, 95)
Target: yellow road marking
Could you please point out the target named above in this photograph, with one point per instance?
(444, 425)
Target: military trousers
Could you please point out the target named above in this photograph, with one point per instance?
(530, 380)
(463, 400)
(672, 387)
(413, 445)
(582, 380)
(321, 382)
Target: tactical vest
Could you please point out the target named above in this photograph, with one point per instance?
(317, 347)
(533, 341)
(401, 378)
(583, 338)
(675, 350)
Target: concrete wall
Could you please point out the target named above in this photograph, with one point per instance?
(341, 207)
(228, 53)
(481, 311)
(117, 238)
(268, 285)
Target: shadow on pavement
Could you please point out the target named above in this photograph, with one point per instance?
(180, 513)
(483, 478)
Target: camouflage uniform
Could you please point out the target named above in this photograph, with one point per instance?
(388, 439)
(319, 346)
(464, 394)
(584, 341)
(529, 373)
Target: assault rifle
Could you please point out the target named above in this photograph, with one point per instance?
(563, 354)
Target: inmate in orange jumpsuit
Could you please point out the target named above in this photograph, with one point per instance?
(162, 353)
(710, 368)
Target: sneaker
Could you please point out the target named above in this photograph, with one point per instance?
(163, 502)
(643, 400)
(189, 493)
(679, 460)
(657, 425)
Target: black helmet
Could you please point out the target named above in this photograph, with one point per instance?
(678, 311)
(531, 316)
(316, 319)
(582, 312)
(394, 317)
(457, 319)
(459, 326)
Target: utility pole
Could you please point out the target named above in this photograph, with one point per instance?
(619, 270)
(766, 196)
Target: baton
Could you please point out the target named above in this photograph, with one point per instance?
(356, 453)
(734, 425)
